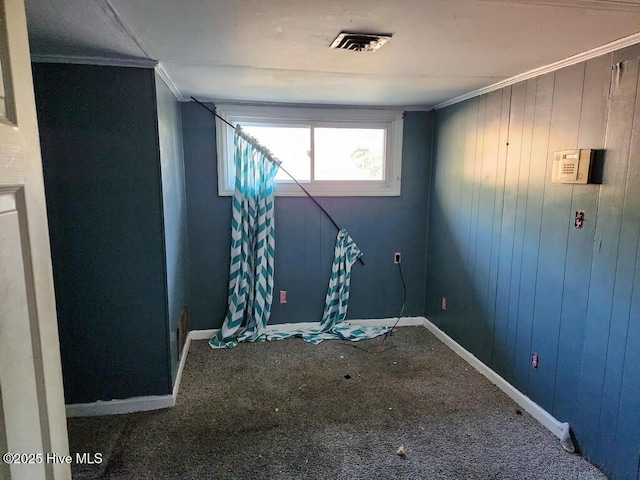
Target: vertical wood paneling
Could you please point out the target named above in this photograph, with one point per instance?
(580, 246)
(627, 442)
(438, 233)
(527, 279)
(284, 264)
(442, 192)
(305, 239)
(501, 356)
(300, 268)
(484, 241)
(101, 161)
(473, 302)
(311, 243)
(208, 221)
(453, 200)
(327, 241)
(462, 287)
(531, 243)
(606, 249)
(556, 221)
(524, 160)
(622, 296)
(498, 210)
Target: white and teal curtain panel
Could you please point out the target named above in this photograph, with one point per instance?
(252, 245)
(252, 261)
(332, 326)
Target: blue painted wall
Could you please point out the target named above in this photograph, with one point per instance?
(99, 139)
(305, 239)
(519, 278)
(174, 208)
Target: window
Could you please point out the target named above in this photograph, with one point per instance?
(332, 152)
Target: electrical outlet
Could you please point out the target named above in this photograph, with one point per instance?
(397, 257)
(443, 303)
(534, 360)
(283, 296)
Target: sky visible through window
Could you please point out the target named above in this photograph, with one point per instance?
(340, 153)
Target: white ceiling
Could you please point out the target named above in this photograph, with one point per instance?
(278, 50)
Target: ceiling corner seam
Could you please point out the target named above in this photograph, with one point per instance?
(120, 22)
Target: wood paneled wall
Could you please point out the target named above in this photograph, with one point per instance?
(305, 238)
(519, 278)
(102, 173)
(174, 208)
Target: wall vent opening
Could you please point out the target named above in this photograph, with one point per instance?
(360, 42)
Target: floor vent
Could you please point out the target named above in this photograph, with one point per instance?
(360, 42)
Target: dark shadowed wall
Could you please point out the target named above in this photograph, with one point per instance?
(99, 139)
(305, 239)
(519, 278)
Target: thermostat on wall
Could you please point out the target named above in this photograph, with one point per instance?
(572, 166)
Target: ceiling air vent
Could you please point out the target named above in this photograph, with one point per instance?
(360, 42)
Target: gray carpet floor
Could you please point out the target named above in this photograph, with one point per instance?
(290, 410)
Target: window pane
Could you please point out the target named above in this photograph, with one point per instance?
(289, 144)
(349, 153)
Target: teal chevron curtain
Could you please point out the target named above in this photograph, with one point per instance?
(252, 245)
(345, 254)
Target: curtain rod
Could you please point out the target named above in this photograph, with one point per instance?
(213, 112)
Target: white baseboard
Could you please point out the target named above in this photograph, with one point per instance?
(288, 327)
(202, 334)
(135, 404)
(139, 404)
(532, 408)
(183, 360)
(114, 407)
(389, 322)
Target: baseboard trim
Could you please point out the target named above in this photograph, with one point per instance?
(389, 322)
(140, 404)
(202, 334)
(115, 407)
(289, 327)
(183, 360)
(134, 404)
(536, 411)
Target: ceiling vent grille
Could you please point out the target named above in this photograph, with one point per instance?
(360, 42)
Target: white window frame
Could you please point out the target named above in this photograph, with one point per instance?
(390, 120)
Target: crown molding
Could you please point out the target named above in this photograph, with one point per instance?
(160, 70)
(552, 67)
(599, 5)
(102, 61)
(335, 106)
